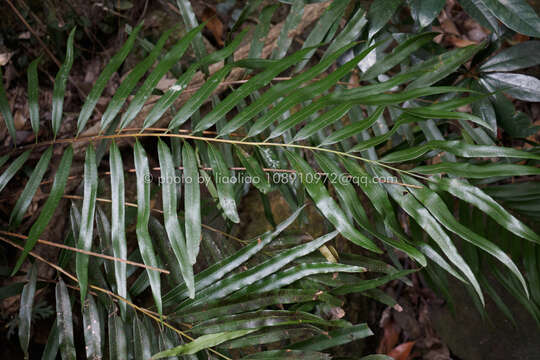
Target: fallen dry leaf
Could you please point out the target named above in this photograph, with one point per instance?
(391, 333)
(214, 24)
(25, 35)
(449, 27)
(402, 351)
(4, 58)
(337, 313)
(19, 120)
(460, 42)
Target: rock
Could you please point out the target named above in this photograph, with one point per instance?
(470, 338)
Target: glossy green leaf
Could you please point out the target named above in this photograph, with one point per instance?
(166, 63)
(13, 168)
(5, 110)
(349, 198)
(166, 340)
(484, 109)
(49, 207)
(366, 91)
(364, 285)
(269, 335)
(454, 102)
(192, 202)
(191, 23)
(92, 328)
(253, 84)
(31, 187)
(434, 256)
(238, 281)
(334, 338)
(459, 148)
(377, 357)
(201, 343)
(170, 215)
(331, 16)
(304, 114)
(223, 179)
(291, 22)
(118, 346)
(371, 265)
(196, 100)
(3, 160)
(520, 56)
(52, 345)
(305, 93)
(350, 33)
(478, 171)
(86, 232)
(397, 98)
(379, 13)
(258, 177)
(60, 85)
(218, 270)
(257, 43)
(226, 52)
(354, 128)
(118, 230)
(519, 86)
(518, 15)
(376, 194)
(25, 309)
(143, 216)
(422, 216)
(64, 321)
(99, 85)
(143, 348)
(104, 234)
(295, 273)
(256, 320)
(327, 206)
(440, 66)
(515, 123)
(254, 301)
(479, 11)
(127, 86)
(277, 91)
(323, 121)
(398, 54)
(531, 264)
(425, 11)
(288, 355)
(520, 191)
(430, 113)
(33, 94)
(166, 254)
(438, 209)
(484, 202)
(514, 289)
(74, 225)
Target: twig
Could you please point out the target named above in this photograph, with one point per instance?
(208, 227)
(240, 168)
(229, 141)
(103, 256)
(110, 293)
(49, 53)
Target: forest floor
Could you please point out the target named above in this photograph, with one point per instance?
(41, 28)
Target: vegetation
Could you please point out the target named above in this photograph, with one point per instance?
(393, 138)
